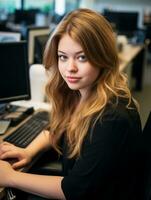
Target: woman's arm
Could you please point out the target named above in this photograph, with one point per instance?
(41, 143)
(23, 156)
(45, 186)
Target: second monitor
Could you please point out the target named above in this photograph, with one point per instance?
(33, 33)
(40, 43)
(125, 22)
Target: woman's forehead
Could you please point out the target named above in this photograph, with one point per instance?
(68, 44)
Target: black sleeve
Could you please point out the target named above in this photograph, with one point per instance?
(99, 157)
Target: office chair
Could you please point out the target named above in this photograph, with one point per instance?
(146, 142)
(143, 162)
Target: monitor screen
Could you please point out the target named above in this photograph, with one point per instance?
(14, 72)
(9, 36)
(32, 32)
(40, 43)
(125, 22)
(27, 17)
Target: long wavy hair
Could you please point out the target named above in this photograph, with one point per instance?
(97, 39)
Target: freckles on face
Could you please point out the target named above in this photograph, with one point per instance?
(74, 66)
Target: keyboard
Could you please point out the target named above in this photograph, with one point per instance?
(25, 134)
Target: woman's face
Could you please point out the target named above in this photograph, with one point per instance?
(74, 67)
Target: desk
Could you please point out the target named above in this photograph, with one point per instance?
(127, 55)
(133, 55)
(35, 104)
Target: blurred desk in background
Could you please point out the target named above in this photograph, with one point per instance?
(132, 61)
(128, 54)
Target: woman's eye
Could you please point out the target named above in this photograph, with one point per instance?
(82, 58)
(62, 57)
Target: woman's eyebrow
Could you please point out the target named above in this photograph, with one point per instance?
(59, 51)
(78, 52)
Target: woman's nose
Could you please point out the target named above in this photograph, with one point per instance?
(71, 66)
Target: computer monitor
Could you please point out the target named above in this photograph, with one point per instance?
(14, 72)
(40, 43)
(32, 32)
(9, 36)
(125, 22)
(27, 17)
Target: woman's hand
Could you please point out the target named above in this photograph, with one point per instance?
(20, 156)
(6, 173)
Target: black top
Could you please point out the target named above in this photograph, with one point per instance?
(105, 168)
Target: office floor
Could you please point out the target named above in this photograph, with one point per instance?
(144, 97)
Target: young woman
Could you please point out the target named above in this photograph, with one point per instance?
(94, 119)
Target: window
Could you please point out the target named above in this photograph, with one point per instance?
(8, 6)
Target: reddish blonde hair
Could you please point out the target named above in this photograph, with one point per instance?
(95, 35)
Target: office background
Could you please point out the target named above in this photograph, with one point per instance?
(51, 11)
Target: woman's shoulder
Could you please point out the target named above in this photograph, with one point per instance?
(117, 118)
(116, 123)
(120, 109)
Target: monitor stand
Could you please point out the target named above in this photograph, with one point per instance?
(2, 108)
(6, 107)
(13, 113)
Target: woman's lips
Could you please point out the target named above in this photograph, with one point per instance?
(72, 79)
